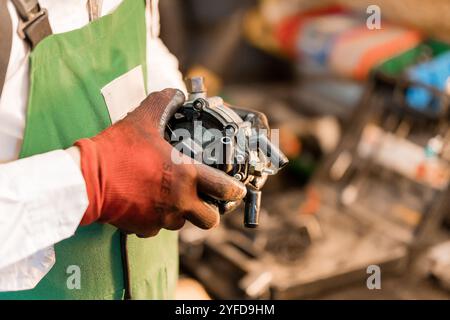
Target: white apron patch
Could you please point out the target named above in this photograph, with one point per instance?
(124, 93)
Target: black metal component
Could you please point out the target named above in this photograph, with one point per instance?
(125, 266)
(252, 207)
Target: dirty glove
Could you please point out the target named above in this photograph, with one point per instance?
(132, 182)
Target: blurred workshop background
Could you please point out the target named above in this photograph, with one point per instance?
(363, 110)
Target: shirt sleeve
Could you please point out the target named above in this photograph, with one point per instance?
(162, 66)
(42, 201)
(26, 273)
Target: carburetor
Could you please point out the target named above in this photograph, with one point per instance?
(211, 132)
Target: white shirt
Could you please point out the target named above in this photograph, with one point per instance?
(43, 198)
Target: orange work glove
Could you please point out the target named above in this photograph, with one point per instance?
(132, 182)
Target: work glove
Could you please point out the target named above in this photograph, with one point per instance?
(132, 182)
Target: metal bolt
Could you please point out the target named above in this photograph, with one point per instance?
(238, 176)
(195, 85)
(269, 171)
(199, 104)
(230, 130)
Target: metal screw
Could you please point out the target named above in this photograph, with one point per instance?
(199, 104)
(230, 130)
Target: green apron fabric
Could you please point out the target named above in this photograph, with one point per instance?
(65, 104)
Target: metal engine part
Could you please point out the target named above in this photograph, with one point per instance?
(211, 132)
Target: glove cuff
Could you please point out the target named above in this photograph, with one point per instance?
(91, 172)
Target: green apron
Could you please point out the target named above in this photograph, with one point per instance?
(65, 104)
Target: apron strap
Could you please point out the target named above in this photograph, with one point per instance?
(5, 41)
(33, 21)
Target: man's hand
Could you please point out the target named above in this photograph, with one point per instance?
(132, 182)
